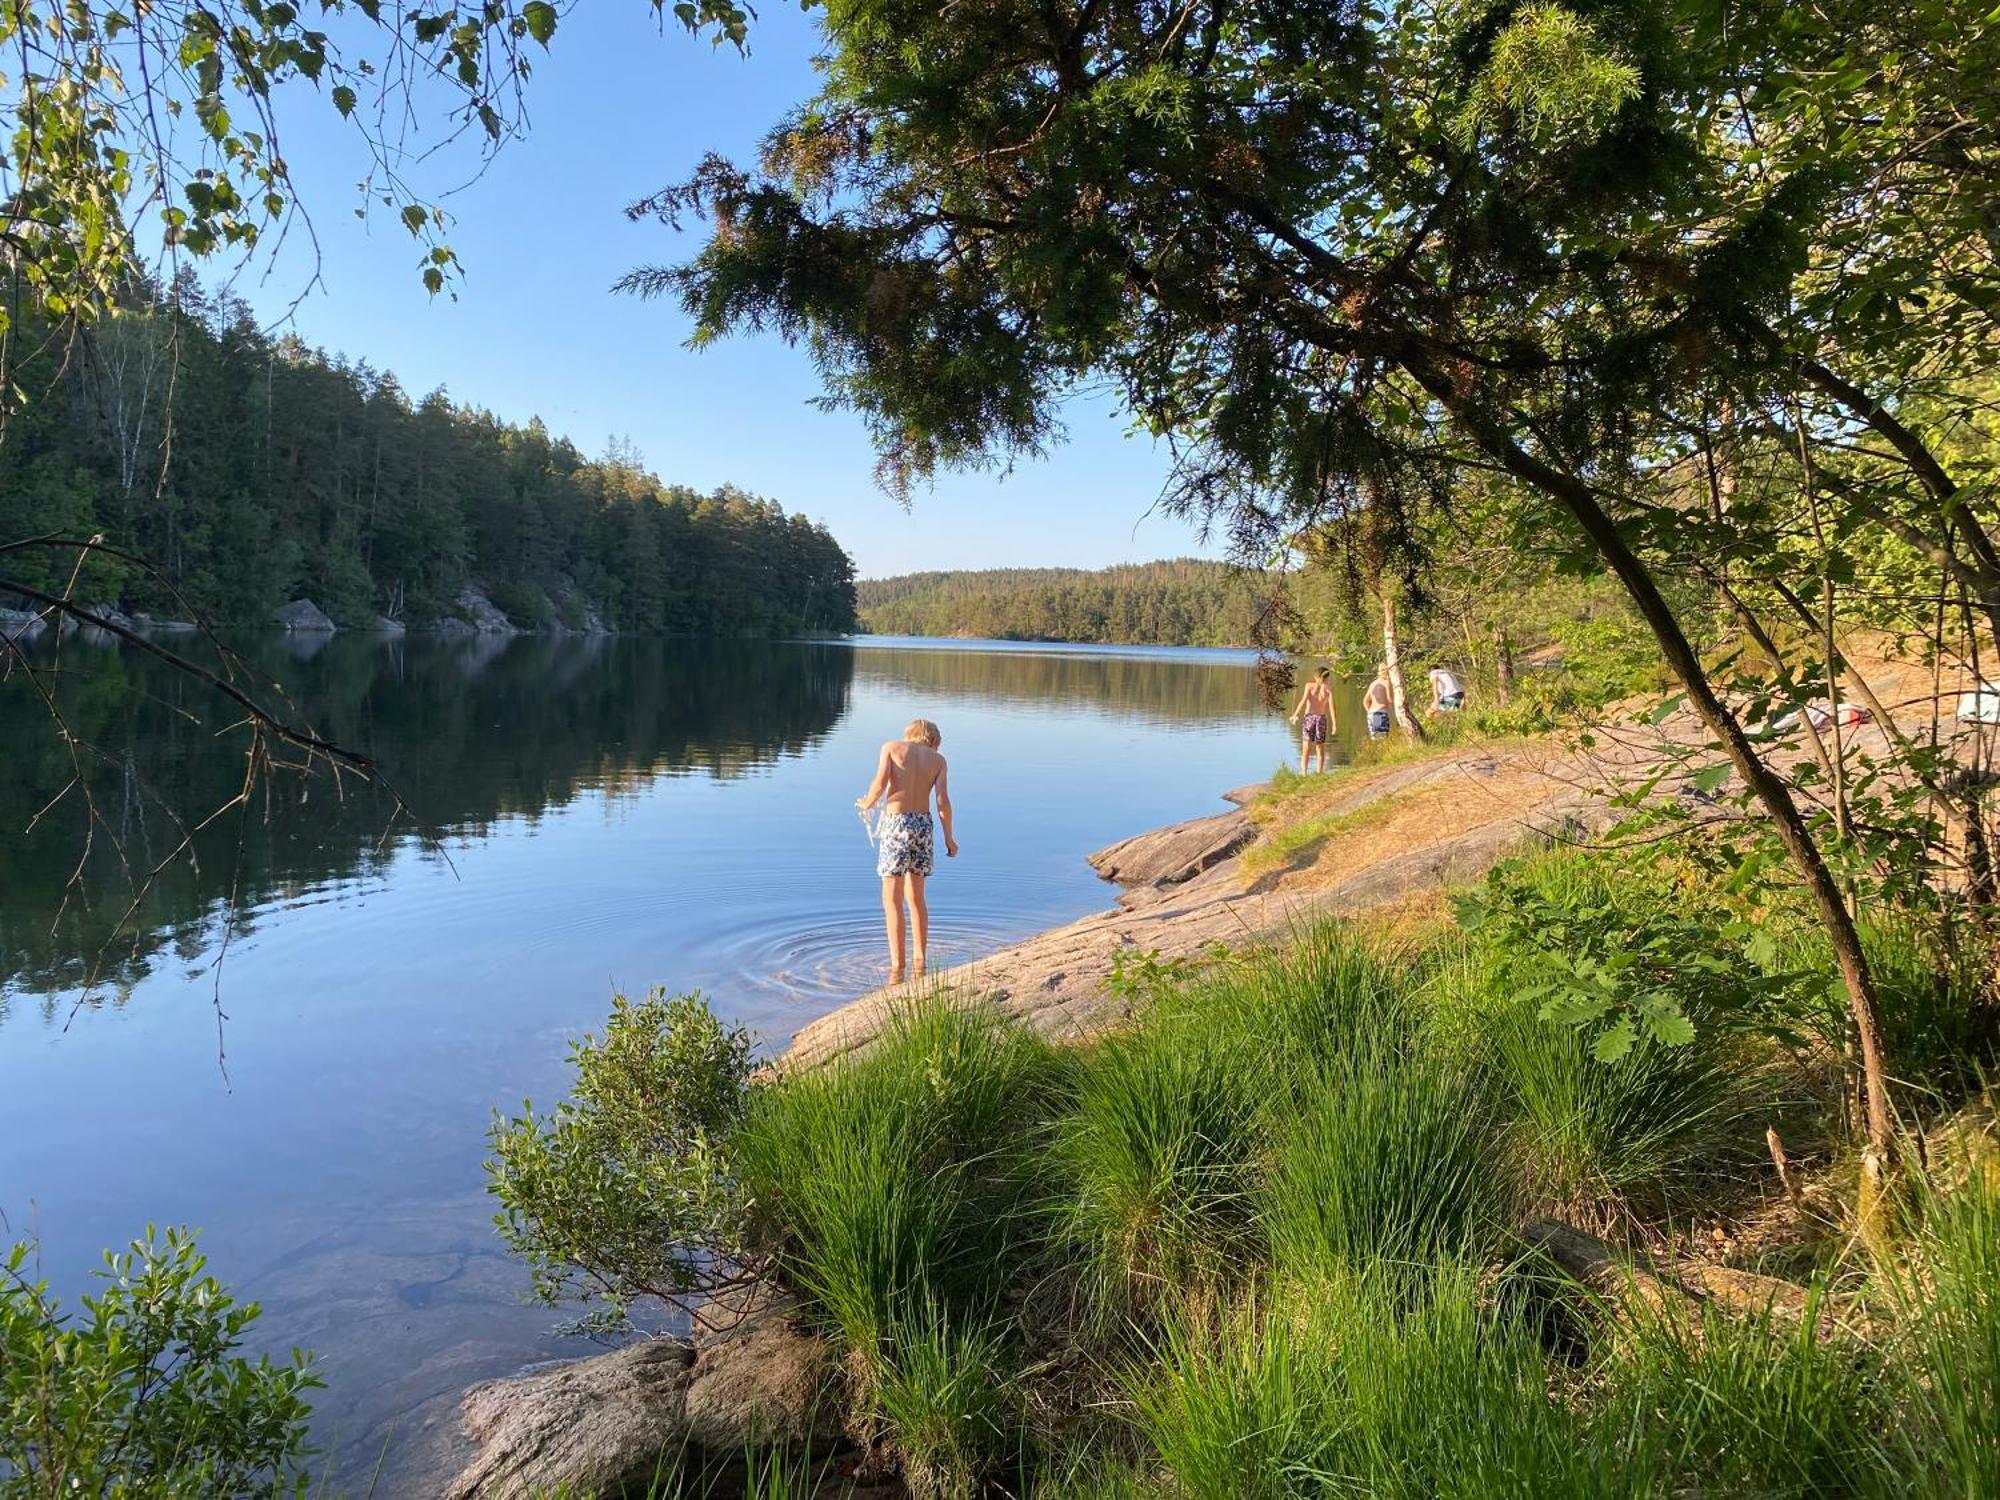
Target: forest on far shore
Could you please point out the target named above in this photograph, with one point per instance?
(1183, 602)
(253, 470)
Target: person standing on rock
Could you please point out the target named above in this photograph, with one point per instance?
(1316, 704)
(1377, 703)
(905, 776)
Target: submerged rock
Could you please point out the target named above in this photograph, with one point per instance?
(302, 614)
(628, 1418)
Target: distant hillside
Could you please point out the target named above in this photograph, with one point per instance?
(1185, 602)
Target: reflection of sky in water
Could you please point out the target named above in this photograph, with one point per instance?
(374, 1020)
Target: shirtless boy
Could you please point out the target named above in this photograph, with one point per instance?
(905, 775)
(1377, 702)
(1316, 703)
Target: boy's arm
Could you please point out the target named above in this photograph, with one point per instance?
(944, 809)
(879, 785)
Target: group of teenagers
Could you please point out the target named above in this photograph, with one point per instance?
(910, 774)
(1317, 723)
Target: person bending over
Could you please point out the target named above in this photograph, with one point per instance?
(1316, 703)
(1447, 692)
(906, 774)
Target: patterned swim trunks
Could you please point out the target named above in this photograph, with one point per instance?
(903, 845)
(1314, 728)
(1378, 722)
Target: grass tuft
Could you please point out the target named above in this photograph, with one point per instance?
(1389, 1158)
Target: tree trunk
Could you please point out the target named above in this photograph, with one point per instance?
(1392, 657)
(1505, 653)
(1577, 497)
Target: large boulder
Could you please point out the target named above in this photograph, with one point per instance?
(20, 625)
(386, 626)
(111, 615)
(482, 614)
(594, 1426)
(302, 614)
(755, 1380)
(1171, 856)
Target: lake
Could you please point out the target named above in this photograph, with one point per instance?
(307, 1071)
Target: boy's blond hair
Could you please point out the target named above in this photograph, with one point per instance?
(923, 729)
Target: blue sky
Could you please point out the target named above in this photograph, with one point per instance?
(617, 110)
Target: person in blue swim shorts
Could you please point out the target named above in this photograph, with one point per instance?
(907, 772)
(1376, 702)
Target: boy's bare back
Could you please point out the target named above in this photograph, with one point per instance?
(914, 769)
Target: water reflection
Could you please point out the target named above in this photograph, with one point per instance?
(618, 814)
(1165, 686)
(469, 732)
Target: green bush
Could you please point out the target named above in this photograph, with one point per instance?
(145, 1394)
(627, 1189)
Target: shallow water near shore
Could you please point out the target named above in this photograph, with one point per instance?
(612, 814)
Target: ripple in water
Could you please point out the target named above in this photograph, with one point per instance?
(817, 966)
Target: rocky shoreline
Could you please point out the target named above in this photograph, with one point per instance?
(758, 1381)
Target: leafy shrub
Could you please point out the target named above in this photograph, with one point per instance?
(145, 1394)
(1605, 944)
(627, 1188)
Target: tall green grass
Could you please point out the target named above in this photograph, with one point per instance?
(1158, 1153)
(1371, 1386)
(900, 1191)
(1388, 1157)
(1768, 1404)
(946, 1391)
(1642, 1136)
(1948, 1297)
(1175, 1123)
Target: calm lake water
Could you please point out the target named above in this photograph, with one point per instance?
(613, 815)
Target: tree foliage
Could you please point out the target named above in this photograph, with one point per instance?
(1344, 254)
(1185, 602)
(254, 469)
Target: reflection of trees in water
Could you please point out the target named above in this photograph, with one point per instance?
(1179, 689)
(467, 731)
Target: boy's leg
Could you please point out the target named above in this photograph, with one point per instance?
(1305, 752)
(920, 918)
(892, 918)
